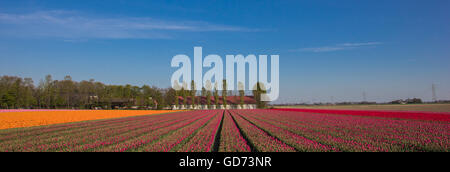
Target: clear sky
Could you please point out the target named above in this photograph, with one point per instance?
(340, 49)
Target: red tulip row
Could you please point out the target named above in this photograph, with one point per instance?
(299, 142)
(203, 140)
(261, 140)
(129, 140)
(146, 139)
(389, 134)
(231, 139)
(234, 131)
(416, 115)
(331, 142)
(58, 139)
(354, 133)
(106, 133)
(53, 129)
(179, 137)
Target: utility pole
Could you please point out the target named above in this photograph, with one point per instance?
(364, 96)
(433, 91)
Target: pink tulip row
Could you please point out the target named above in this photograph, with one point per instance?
(355, 133)
(127, 136)
(237, 131)
(415, 115)
(335, 143)
(262, 141)
(139, 141)
(231, 139)
(203, 139)
(390, 134)
(114, 135)
(48, 130)
(50, 140)
(297, 141)
(176, 138)
(62, 140)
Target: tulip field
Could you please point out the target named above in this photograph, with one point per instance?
(37, 117)
(256, 130)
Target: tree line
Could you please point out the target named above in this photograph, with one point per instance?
(17, 92)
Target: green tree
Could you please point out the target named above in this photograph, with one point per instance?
(49, 92)
(9, 99)
(192, 92)
(16, 92)
(224, 92)
(170, 96)
(184, 95)
(241, 92)
(260, 89)
(203, 93)
(28, 93)
(176, 98)
(216, 95)
(207, 91)
(68, 90)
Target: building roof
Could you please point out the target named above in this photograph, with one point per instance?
(230, 100)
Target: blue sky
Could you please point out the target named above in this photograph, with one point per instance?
(388, 49)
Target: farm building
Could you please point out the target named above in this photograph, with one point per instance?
(201, 102)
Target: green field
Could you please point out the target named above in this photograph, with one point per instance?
(407, 107)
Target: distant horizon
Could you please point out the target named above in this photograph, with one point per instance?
(346, 51)
(36, 83)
